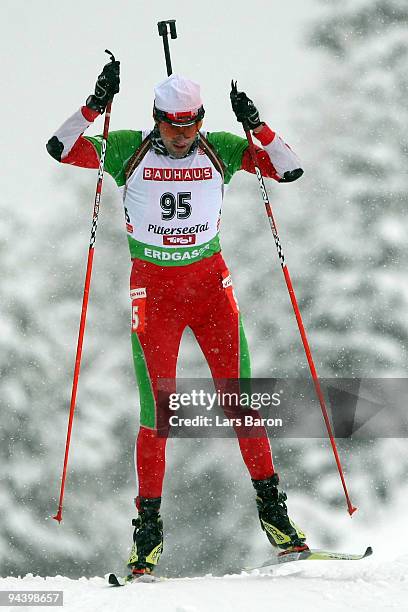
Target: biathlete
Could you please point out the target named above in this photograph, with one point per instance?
(172, 179)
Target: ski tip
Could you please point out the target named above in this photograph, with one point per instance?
(113, 580)
(368, 552)
(118, 581)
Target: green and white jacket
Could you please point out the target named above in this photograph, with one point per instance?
(172, 206)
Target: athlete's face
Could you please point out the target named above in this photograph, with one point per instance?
(178, 139)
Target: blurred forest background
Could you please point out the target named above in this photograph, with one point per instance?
(343, 227)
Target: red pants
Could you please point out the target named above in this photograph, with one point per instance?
(166, 300)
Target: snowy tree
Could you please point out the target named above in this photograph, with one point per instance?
(354, 287)
(343, 228)
(41, 292)
(351, 223)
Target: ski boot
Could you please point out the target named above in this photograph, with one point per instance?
(281, 531)
(147, 537)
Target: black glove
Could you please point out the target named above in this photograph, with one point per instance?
(291, 175)
(244, 109)
(107, 85)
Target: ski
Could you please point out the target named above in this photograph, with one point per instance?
(118, 581)
(305, 555)
(312, 555)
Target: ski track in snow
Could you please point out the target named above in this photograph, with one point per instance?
(371, 584)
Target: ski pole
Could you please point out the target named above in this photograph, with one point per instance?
(58, 516)
(301, 327)
(163, 31)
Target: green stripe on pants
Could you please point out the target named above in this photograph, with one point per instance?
(244, 360)
(147, 401)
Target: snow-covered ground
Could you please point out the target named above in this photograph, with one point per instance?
(374, 584)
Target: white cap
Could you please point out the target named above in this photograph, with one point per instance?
(176, 94)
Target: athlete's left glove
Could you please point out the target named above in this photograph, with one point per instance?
(244, 109)
(107, 85)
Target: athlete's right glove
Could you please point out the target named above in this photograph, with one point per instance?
(107, 85)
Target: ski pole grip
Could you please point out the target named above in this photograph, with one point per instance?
(163, 31)
(112, 57)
